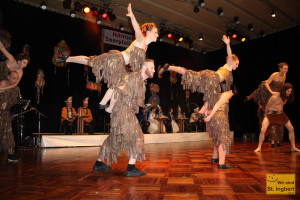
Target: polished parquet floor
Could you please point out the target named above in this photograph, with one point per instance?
(174, 171)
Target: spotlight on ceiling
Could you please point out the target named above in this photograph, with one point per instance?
(201, 3)
(111, 16)
(86, 9)
(170, 35)
(273, 14)
(250, 27)
(200, 37)
(98, 20)
(77, 6)
(94, 10)
(196, 9)
(236, 20)
(43, 5)
(262, 33)
(122, 27)
(220, 11)
(72, 14)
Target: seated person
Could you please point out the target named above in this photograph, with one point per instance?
(194, 120)
(67, 117)
(143, 117)
(172, 126)
(89, 123)
(181, 114)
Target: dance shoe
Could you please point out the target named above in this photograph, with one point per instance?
(225, 166)
(273, 146)
(134, 172)
(164, 69)
(101, 166)
(101, 106)
(216, 160)
(12, 158)
(63, 60)
(278, 145)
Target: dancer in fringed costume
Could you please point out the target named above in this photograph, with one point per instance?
(218, 127)
(261, 96)
(208, 81)
(126, 133)
(274, 115)
(111, 66)
(8, 98)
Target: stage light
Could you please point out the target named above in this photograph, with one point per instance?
(180, 39)
(122, 28)
(204, 52)
(86, 9)
(243, 39)
(94, 11)
(273, 14)
(111, 16)
(77, 6)
(262, 33)
(98, 21)
(201, 3)
(236, 20)
(250, 27)
(234, 36)
(170, 35)
(43, 5)
(200, 37)
(196, 9)
(220, 11)
(72, 14)
(104, 15)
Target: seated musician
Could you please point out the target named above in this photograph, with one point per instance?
(89, 123)
(68, 118)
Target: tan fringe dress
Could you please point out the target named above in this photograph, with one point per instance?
(218, 128)
(126, 133)
(7, 142)
(111, 66)
(208, 83)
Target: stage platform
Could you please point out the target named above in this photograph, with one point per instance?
(53, 140)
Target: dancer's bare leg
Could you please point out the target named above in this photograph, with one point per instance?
(107, 96)
(215, 154)
(290, 128)
(264, 126)
(112, 103)
(78, 59)
(222, 154)
(132, 161)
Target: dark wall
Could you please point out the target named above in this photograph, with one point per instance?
(42, 30)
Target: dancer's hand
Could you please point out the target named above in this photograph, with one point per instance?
(207, 119)
(130, 13)
(226, 39)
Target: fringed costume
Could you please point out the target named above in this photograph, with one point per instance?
(218, 128)
(208, 83)
(262, 96)
(126, 133)
(7, 142)
(111, 66)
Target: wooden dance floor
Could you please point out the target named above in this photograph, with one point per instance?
(174, 171)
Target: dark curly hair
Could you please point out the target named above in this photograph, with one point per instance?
(23, 56)
(290, 98)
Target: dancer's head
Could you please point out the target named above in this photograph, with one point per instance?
(23, 60)
(283, 68)
(148, 68)
(287, 93)
(13, 77)
(235, 61)
(149, 30)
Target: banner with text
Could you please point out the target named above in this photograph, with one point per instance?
(117, 38)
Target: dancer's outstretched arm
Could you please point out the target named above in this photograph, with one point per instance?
(138, 33)
(226, 40)
(223, 99)
(78, 59)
